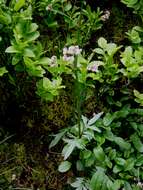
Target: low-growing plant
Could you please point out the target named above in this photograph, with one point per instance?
(108, 160)
(137, 5)
(106, 155)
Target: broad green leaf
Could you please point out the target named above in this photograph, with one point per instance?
(79, 166)
(102, 43)
(137, 94)
(111, 48)
(16, 58)
(120, 161)
(117, 185)
(81, 184)
(45, 61)
(108, 118)
(90, 161)
(122, 143)
(67, 150)
(109, 183)
(94, 128)
(71, 145)
(104, 184)
(109, 135)
(36, 71)
(100, 181)
(28, 52)
(11, 49)
(129, 2)
(99, 154)
(5, 17)
(84, 119)
(3, 70)
(137, 111)
(19, 4)
(68, 6)
(122, 113)
(129, 164)
(32, 69)
(47, 89)
(95, 118)
(97, 180)
(117, 169)
(33, 27)
(99, 51)
(86, 154)
(78, 182)
(112, 154)
(32, 36)
(137, 142)
(64, 166)
(139, 97)
(57, 138)
(127, 186)
(139, 161)
(100, 139)
(108, 162)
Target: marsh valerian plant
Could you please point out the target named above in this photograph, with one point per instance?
(95, 142)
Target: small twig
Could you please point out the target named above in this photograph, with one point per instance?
(22, 188)
(6, 139)
(51, 152)
(7, 161)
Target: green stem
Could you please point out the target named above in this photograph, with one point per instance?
(77, 98)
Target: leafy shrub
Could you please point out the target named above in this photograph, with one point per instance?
(137, 5)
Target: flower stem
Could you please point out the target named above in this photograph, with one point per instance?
(77, 96)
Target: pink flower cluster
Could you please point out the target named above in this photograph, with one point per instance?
(93, 68)
(69, 53)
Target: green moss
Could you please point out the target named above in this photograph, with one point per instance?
(57, 114)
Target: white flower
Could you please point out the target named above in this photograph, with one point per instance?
(53, 61)
(139, 184)
(49, 7)
(69, 53)
(13, 177)
(106, 15)
(77, 50)
(93, 66)
(68, 58)
(71, 50)
(65, 51)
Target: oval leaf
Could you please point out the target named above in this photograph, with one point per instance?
(64, 166)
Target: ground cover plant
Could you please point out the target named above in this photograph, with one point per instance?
(71, 95)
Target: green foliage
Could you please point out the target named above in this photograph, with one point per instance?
(64, 166)
(46, 48)
(98, 142)
(118, 156)
(48, 89)
(79, 22)
(134, 35)
(139, 97)
(132, 60)
(137, 5)
(3, 71)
